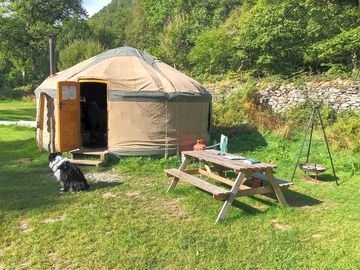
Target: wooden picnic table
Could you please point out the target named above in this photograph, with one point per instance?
(215, 164)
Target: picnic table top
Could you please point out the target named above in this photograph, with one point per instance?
(214, 157)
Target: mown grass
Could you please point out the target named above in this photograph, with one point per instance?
(134, 224)
(17, 110)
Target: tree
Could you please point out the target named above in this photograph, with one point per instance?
(24, 32)
(341, 51)
(213, 52)
(176, 42)
(78, 51)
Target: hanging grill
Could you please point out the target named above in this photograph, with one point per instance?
(312, 168)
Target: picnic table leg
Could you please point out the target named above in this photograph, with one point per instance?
(176, 180)
(234, 190)
(275, 186)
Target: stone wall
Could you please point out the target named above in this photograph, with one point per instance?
(341, 95)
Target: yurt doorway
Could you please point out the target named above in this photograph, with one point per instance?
(93, 111)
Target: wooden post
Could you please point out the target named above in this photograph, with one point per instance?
(52, 135)
(176, 180)
(40, 121)
(275, 186)
(240, 179)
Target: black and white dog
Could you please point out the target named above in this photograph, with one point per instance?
(69, 175)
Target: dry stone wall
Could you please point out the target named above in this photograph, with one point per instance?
(341, 95)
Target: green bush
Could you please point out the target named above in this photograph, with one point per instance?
(209, 55)
(298, 116)
(26, 91)
(78, 51)
(345, 132)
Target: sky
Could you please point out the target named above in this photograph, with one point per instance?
(93, 6)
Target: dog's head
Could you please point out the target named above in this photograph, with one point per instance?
(53, 156)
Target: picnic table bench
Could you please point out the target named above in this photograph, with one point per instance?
(215, 164)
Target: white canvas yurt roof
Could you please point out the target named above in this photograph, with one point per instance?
(127, 69)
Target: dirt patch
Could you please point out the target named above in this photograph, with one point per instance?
(23, 160)
(279, 226)
(107, 195)
(133, 193)
(52, 220)
(317, 235)
(174, 209)
(25, 227)
(313, 180)
(102, 177)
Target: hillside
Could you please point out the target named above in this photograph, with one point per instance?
(206, 39)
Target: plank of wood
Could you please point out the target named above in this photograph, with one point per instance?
(40, 121)
(176, 179)
(192, 171)
(282, 183)
(218, 192)
(253, 191)
(86, 162)
(237, 165)
(216, 177)
(240, 179)
(279, 195)
(52, 134)
(90, 151)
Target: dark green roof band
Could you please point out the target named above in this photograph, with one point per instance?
(148, 96)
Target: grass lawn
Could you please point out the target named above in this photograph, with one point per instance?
(134, 224)
(17, 110)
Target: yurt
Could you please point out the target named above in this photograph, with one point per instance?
(123, 100)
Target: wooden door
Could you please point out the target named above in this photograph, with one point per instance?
(68, 122)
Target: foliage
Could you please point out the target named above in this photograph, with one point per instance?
(212, 52)
(78, 51)
(25, 27)
(298, 116)
(239, 109)
(209, 39)
(343, 49)
(345, 132)
(268, 36)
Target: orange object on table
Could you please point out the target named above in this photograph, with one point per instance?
(200, 145)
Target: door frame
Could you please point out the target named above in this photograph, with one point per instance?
(106, 82)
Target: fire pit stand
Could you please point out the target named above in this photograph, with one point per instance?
(313, 167)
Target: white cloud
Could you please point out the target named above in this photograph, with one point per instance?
(93, 6)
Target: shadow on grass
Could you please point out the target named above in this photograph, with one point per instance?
(294, 199)
(248, 209)
(241, 138)
(322, 178)
(102, 184)
(18, 114)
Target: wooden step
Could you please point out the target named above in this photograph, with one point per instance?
(95, 152)
(86, 162)
(218, 192)
(282, 183)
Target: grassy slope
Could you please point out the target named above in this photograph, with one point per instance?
(17, 110)
(145, 228)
